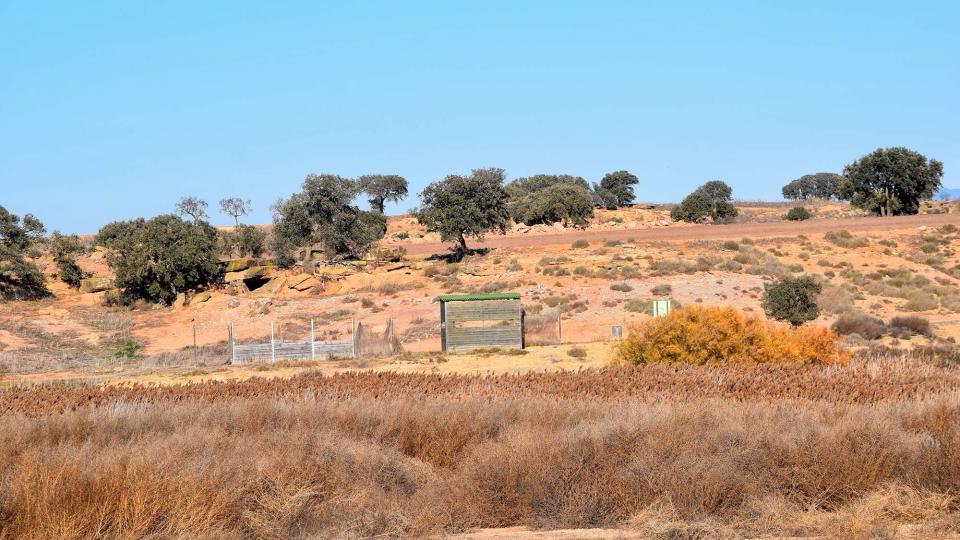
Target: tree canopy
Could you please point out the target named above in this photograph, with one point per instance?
(382, 188)
(20, 279)
(549, 199)
(462, 206)
(235, 207)
(194, 207)
(891, 181)
(64, 249)
(616, 189)
(711, 200)
(822, 185)
(159, 258)
(323, 211)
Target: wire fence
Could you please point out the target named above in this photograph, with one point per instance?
(119, 338)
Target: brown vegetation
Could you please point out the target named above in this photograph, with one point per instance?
(323, 466)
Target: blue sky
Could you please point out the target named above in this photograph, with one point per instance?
(113, 110)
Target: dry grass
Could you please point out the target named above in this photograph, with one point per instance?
(322, 466)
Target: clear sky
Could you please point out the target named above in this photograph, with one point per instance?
(113, 110)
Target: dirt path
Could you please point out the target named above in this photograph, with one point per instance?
(703, 232)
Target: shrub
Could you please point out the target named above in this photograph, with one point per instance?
(580, 244)
(860, 324)
(834, 299)
(126, 350)
(798, 213)
(731, 245)
(846, 240)
(577, 352)
(661, 290)
(918, 300)
(910, 325)
(621, 287)
(550, 199)
(792, 299)
(718, 335)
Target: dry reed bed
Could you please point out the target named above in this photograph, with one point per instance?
(857, 382)
(258, 467)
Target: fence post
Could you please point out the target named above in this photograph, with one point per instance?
(313, 349)
(353, 337)
(233, 344)
(273, 347)
(559, 325)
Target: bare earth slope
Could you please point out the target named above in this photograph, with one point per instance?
(705, 232)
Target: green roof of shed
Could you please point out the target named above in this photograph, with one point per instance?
(486, 296)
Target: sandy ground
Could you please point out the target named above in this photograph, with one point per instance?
(680, 233)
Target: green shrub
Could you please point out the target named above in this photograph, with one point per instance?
(798, 213)
(127, 349)
(792, 299)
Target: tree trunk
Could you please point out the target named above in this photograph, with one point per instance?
(463, 245)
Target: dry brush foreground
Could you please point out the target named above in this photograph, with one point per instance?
(862, 450)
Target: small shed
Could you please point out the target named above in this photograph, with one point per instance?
(480, 321)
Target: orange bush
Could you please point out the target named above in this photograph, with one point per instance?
(714, 335)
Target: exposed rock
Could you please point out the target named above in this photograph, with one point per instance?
(233, 303)
(292, 282)
(236, 287)
(180, 301)
(255, 272)
(238, 265)
(396, 267)
(95, 284)
(260, 308)
(336, 271)
(232, 277)
(306, 284)
(271, 287)
(200, 298)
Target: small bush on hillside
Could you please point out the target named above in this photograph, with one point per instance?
(661, 290)
(918, 300)
(730, 245)
(577, 352)
(793, 299)
(721, 335)
(910, 325)
(621, 287)
(798, 213)
(860, 324)
(846, 240)
(580, 244)
(127, 350)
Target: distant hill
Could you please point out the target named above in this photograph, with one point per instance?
(947, 194)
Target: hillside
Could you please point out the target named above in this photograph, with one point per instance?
(594, 278)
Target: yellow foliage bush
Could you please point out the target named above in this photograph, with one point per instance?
(723, 335)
